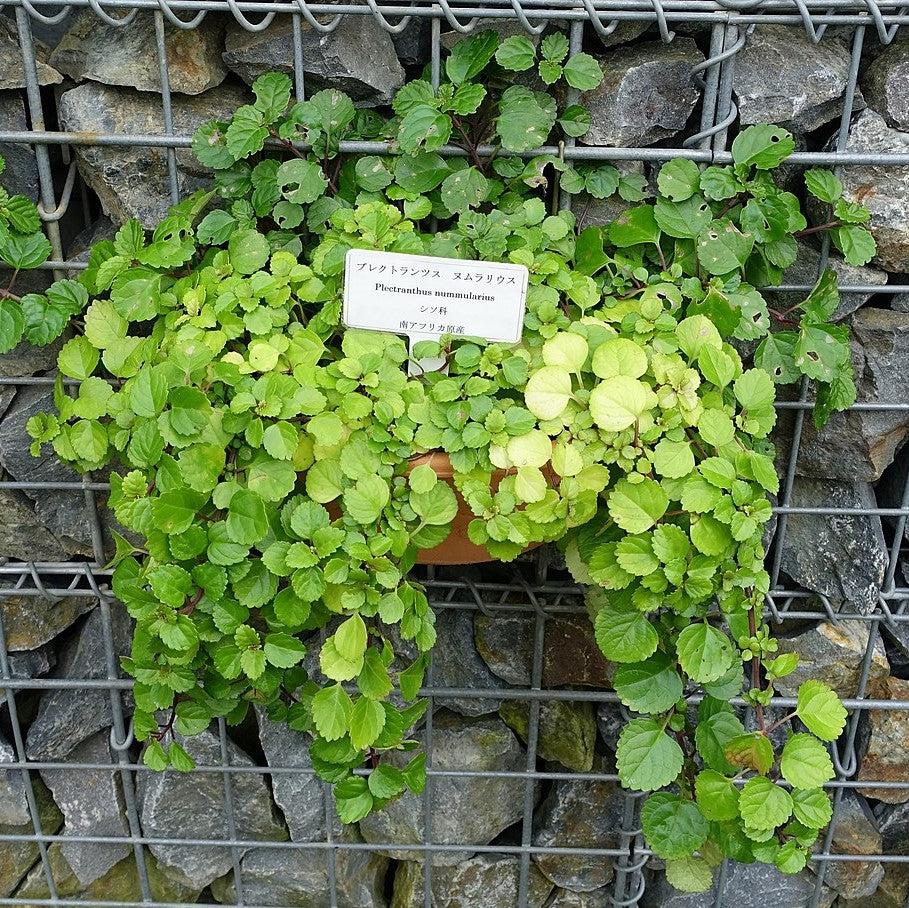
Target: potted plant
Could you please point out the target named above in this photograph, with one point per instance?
(280, 474)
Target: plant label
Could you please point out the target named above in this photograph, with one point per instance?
(425, 297)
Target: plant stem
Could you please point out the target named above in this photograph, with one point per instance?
(756, 669)
(818, 229)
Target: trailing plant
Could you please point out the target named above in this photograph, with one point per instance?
(263, 452)
(38, 318)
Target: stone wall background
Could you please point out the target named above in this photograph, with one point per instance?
(835, 571)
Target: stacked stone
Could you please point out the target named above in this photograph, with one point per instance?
(98, 78)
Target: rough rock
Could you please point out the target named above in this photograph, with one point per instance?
(472, 810)
(29, 664)
(647, 94)
(579, 814)
(299, 794)
(894, 827)
(12, 71)
(91, 801)
(885, 84)
(20, 176)
(783, 77)
(485, 881)
(13, 805)
(456, 663)
(134, 182)
(610, 723)
(128, 55)
(746, 886)
(565, 898)
(63, 512)
(805, 271)
(887, 756)
(841, 557)
(299, 877)
(567, 732)
(833, 653)
(26, 359)
(22, 536)
(570, 652)
(858, 445)
(193, 806)
(856, 832)
(358, 57)
(120, 884)
(883, 189)
(16, 857)
(413, 45)
(892, 892)
(30, 621)
(67, 717)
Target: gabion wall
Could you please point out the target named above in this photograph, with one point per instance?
(97, 106)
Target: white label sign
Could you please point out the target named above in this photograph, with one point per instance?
(425, 296)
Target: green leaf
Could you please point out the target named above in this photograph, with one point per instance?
(283, 650)
(22, 213)
(575, 121)
(386, 781)
(366, 722)
(634, 226)
(691, 874)
(353, 799)
(837, 394)
(366, 499)
(246, 133)
(249, 251)
(636, 507)
(673, 459)
(646, 757)
(705, 653)
(331, 712)
(373, 173)
(89, 440)
(617, 403)
(470, 55)
(823, 185)
(464, 189)
(856, 243)
(719, 183)
(674, 828)
(247, 520)
(624, 634)
(723, 248)
(437, 507)
(301, 181)
(717, 797)
(679, 179)
(78, 358)
(812, 808)
(350, 638)
(104, 326)
(762, 146)
(209, 144)
(24, 251)
(548, 392)
(554, 47)
(420, 172)
(713, 731)
(423, 127)
(583, 72)
(373, 680)
(805, 762)
(272, 91)
(651, 686)
(516, 53)
(524, 122)
(820, 710)
(12, 324)
(763, 805)
(751, 751)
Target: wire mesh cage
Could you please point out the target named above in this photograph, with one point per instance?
(535, 596)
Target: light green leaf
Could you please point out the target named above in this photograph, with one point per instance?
(651, 686)
(583, 72)
(548, 392)
(763, 805)
(624, 634)
(673, 827)
(617, 403)
(646, 757)
(331, 712)
(705, 653)
(679, 179)
(636, 507)
(516, 53)
(717, 797)
(805, 762)
(820, 710)
(367, 720)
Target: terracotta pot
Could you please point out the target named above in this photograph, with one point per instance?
(456, 547)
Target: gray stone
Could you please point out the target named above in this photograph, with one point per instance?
(805, 271)
(27, 359)
(13, 804)
(590, 211)
(298, 878)
(882, 188)
(121, 884)
(12, 71)
(610, 723)
(855, 832)
(17, 856)
(485, 881)
(745, 886)
(833, 653)
(91, 801)
(886, 758)
(567, 730)
(892, 891)
(413, 45)
(358, 57)
(858, 445)
(565, 898)
(128, 55)
(22, 536)
(29, 664)
(31, 621)
(581, 814)
(570, 653)
(893, 822)
(299, 794)
(469, 811)
(456, 663)
(67, 717)
(20, 176)
(63, 512)
(647, 94)
(885, 84)
(781, 76)
(172, 805)
(841, 557)
(134, 182)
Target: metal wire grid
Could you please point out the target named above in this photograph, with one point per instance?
(538, 597)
